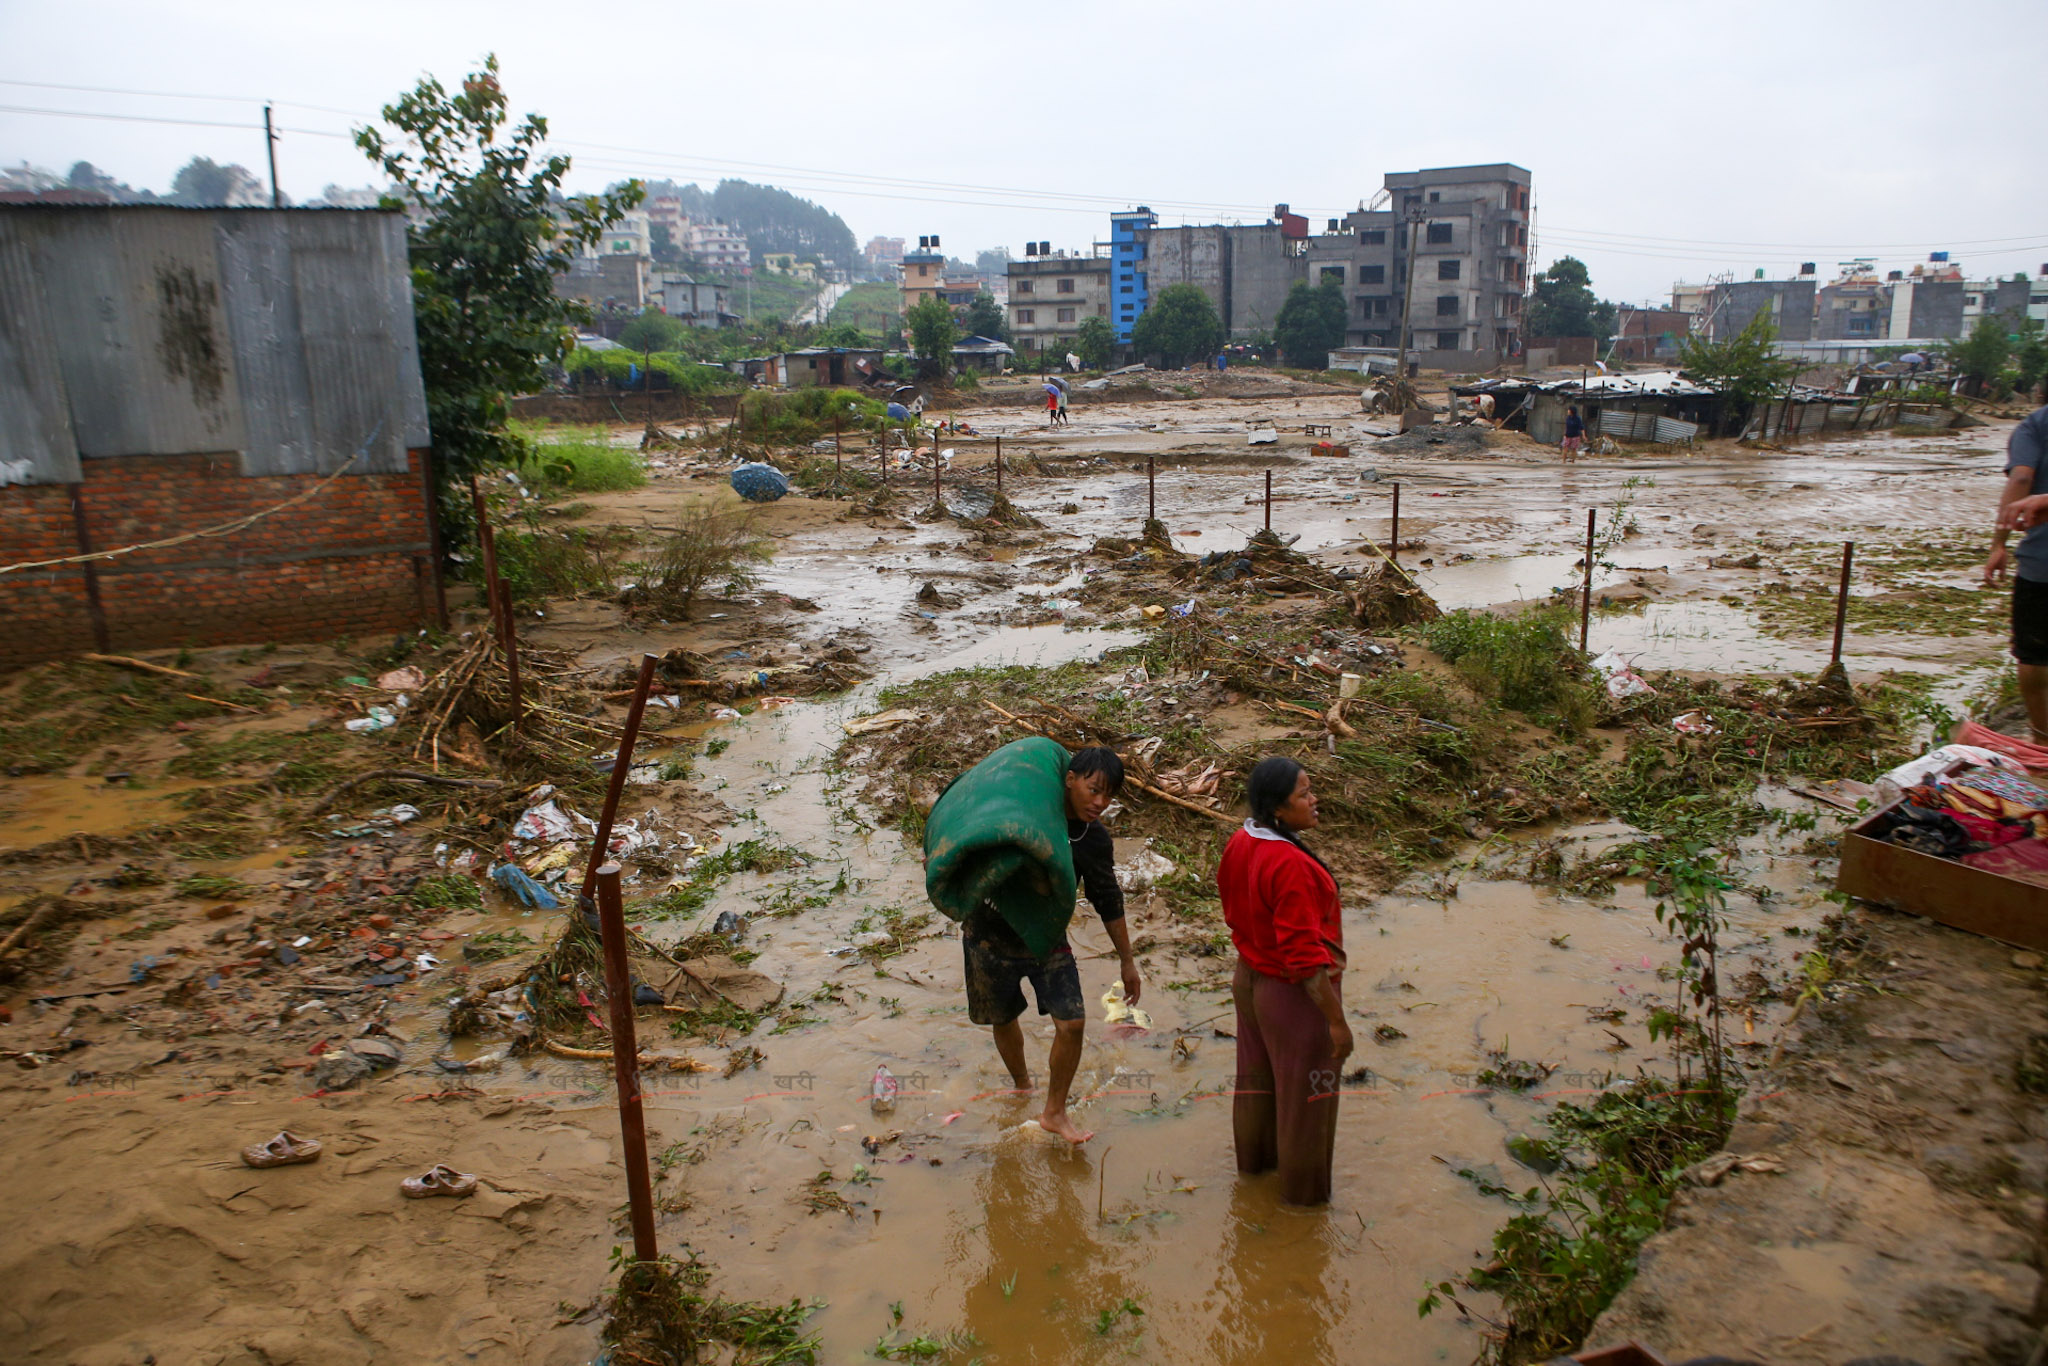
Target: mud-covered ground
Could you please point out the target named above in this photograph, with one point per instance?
(215, 935)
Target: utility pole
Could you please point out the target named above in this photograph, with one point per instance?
(270, 149)
(1414, 214)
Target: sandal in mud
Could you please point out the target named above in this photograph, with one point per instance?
(439, 1179)
(282, 1151)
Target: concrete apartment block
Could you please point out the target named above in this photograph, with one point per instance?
(1050, 297)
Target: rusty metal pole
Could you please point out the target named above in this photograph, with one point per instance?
(837, 420)
(999, 463)
(499, 600)
(1151, 491)
(621, 762)
(1586, 599)
(1394, 532)
(618, 990)
(1842, 600)
(1269, 500)
(938, 489)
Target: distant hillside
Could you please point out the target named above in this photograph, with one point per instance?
(771, 219)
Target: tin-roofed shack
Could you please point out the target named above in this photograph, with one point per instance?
(1656, 405)
(182, 375)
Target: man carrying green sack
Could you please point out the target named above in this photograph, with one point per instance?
(1005, 846)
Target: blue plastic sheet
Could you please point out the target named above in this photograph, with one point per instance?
(523, 888)
(758, 483)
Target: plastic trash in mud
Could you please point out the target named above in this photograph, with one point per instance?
(882, 1091)
(1694, 723)
(1184, 609)
(1144, 872)
(1121, 1016)
(396, 815)
(523, 888)
(724, 714)
(408, 679)
(1623, 682)
(888, 720)
(379, 718)
(545, 821)
(759, 483)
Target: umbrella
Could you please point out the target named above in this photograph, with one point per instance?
(759, 483)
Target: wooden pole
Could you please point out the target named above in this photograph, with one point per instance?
(938, 489)
(999, 463)
(622, 762)
(618, 986)
(1842, 600)
(1394, 533)
(837, 421)
(1269, 500)
(1151, 490)
(1586, 599)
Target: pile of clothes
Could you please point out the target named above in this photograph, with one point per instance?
(1972, 805)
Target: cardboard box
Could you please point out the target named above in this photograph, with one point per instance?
(1942, 889)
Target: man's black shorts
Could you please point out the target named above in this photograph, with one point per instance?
(2030, 621)
(995, 993)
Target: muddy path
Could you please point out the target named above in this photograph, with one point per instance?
(150, 1236)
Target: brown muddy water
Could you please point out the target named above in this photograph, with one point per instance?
(980, 1228)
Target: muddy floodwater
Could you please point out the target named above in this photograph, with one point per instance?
(977, 1226)
(943, 1219)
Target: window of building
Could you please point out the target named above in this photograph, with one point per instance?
(1332, 275)
(1026, 316)
(1066, 315)
(1102, 310)
(922, 271)
(1408, 199)
(1447, 341)
(1434, 196)
(1123, 289)
(1522, 238)
(1439, 234)
(1525, 200)
(1372, 275)
(1447, 305)
(1372, 237)
(1372, 306)
(1066, 287)
(1448, 270)
(1020, 286)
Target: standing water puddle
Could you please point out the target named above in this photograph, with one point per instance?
(978, 1227)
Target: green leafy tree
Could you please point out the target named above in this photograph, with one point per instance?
(1310, 325)
(1980, 356)
(492, 231)
(985, 318)
(1179, 325)
(2029, 358)
(1745, 368)
(932, 334)
(1094, 343)
(652, 331)
(1563, 303)
(205, 183)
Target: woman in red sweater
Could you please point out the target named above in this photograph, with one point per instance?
(1280, 902)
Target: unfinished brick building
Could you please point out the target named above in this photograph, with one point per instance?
(166, 372)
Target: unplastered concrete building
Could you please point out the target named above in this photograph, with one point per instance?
(1052, 295)
(1469, 230)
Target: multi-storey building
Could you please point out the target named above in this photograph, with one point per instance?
(882, 252)
(1469, 226)
(924, 273)
(1051, 296)
(720, 248)
(1127, 274)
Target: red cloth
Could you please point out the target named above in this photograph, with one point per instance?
(1281, 906)
(1983, 737)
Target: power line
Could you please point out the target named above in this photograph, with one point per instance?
(158, 118)
(180, 95)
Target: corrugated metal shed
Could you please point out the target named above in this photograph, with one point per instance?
(285, 336)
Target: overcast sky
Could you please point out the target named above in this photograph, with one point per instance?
(1667, 141)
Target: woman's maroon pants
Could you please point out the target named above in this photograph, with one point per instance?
(1284, 1107)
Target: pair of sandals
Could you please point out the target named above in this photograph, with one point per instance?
(288, 1149)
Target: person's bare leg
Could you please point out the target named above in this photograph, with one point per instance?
(1010, 1047)
(1066, 1059)
(2034, 692)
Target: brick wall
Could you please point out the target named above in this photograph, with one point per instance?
(356, 560)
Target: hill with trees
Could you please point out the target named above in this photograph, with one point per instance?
(769, 218)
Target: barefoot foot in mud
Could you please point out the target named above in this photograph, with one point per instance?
(1065, 1128)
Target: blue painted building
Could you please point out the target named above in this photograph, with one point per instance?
(1127, 290)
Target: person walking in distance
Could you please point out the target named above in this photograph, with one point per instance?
(2021, 507)
(1281, 904)
(1574, 434)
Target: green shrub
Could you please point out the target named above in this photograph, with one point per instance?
(1527, 661)
(581, 462)
(673, 371)
(802, 415)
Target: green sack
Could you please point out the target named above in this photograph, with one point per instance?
(999, 834)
